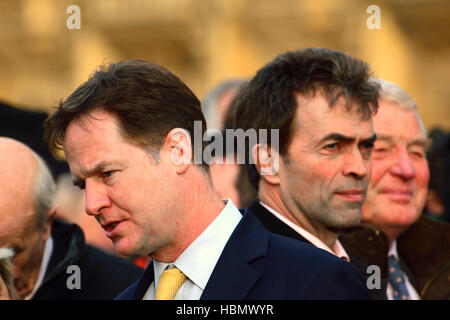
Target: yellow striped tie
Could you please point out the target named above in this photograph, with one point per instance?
(168, 284)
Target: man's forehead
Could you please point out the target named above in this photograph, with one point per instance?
(89, 130)
(394, 137)
(395, 122)
(317, 118)
(317, 108)
(95, 120)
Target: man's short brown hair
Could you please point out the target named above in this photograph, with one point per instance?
(147, 99)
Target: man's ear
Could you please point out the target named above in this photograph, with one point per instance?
(48, 224)
(178, 143)
(266, 162)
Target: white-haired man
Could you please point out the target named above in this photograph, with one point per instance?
(411, 249)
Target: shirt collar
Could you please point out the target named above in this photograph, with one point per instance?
(44, 264)
(198, 260)
(338, 250)
(393, 250)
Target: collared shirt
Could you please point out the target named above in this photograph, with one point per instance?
(338, 250)
(197, 262)
(48, 249)
(390, 292)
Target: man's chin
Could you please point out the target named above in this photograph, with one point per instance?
(348, 220)
(123, 251)
(128, 252)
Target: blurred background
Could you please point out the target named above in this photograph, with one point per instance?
(205, 42)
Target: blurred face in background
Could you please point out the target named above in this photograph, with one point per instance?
(18, 221)
(4, 294)
(398, 187)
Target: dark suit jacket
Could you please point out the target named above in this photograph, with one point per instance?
(102, 275)
(256, 264)
(275, 225)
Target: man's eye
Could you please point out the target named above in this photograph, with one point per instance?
(16, 250)
(380, 150)
(331, 146)
(108, 174)
(418, 153)
(368, 146)
(379, 147)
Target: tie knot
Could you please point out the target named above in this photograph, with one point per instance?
(393, 260)
(168, 284)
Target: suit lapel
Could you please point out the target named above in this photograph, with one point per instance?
(234, 277)
(272, 223)
(144, 282)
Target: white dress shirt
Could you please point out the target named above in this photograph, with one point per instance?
(197, 262)
(338, 250)
(390, 292)
(43, 269)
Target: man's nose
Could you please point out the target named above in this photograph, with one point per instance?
(403, 166)
(96, 198)
(356, 165)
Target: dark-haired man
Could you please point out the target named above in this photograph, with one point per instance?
(321, 101)
(126, 133)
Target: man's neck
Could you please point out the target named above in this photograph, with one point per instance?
(392, 234)
(272, 199)
(201, 204)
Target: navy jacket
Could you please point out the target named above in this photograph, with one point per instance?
(275, 225)
(256, 264)
(102, 275)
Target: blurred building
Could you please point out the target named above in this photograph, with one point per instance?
(206, 41)
(27, 126)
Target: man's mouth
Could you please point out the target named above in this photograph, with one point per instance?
(111, 226)
(401, 196)
(354, 195)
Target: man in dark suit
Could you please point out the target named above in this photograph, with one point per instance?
(132, 142)
(321, 101)
(51, 258)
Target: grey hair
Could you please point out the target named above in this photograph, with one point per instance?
(209, 103)
(391, 92)
(43, 193)
(6, 255)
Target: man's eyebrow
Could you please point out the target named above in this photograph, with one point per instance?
(87, 173)
(371, 139)
(417, 141)
(343, 138)
(384, 137)
(337, 137)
